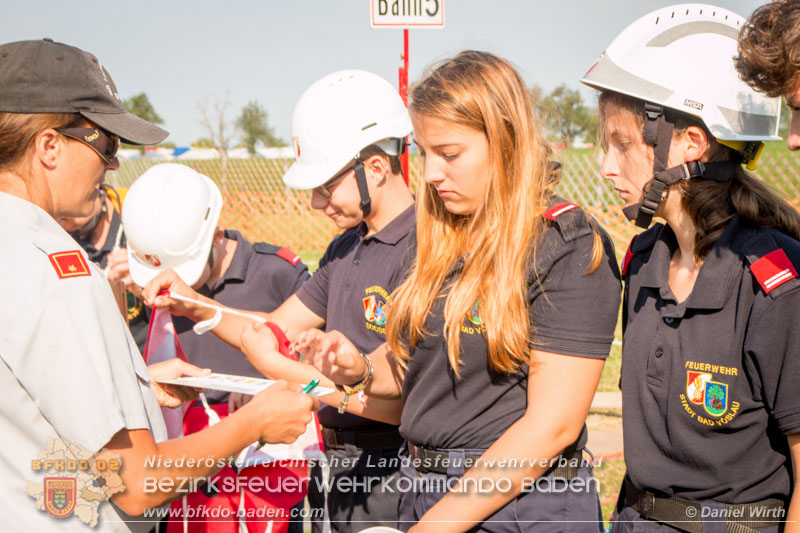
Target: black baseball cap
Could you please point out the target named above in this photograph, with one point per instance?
(48, 77)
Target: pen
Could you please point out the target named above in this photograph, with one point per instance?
(307, 390)
(311, 386)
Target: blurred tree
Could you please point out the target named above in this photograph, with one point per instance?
(140, 106)
(252, 124)
(565, 116)
(218, 127)
(203, 142)
(535, 95)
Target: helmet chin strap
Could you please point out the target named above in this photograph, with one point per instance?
(363, 190)
(392, 147)
(658, 128)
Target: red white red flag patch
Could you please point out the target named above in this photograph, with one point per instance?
(559, 209)
(773, 270)
(288, 255)
(69, 264)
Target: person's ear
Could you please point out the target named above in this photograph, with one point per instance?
(378, 166)
(219, 236)
(48, 146)
(697, 143)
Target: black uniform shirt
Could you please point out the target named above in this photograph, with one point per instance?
(350, 290)
(258, 280)
(138, 313)
(711, 385)
(100, 256)
(571, 313)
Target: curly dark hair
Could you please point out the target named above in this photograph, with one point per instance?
(769, 48)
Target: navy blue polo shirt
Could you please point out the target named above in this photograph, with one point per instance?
(350, 290)
(711, 385)
(257, 279)
(571, 313)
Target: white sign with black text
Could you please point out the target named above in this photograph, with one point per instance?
(406, 14)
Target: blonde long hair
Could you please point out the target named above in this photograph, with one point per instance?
(484, 92)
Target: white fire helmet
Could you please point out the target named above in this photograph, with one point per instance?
(338, 116)
(681, 57)
(169, 217)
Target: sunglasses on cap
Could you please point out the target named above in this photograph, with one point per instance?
(105, 144)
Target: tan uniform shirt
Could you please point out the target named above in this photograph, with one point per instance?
(69, 368)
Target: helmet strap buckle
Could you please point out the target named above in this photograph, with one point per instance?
(655, 192)
(688, 174)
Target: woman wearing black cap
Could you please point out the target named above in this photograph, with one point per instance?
(70, 370)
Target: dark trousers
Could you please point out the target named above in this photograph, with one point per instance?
(357, 499)
(628, 520)
(552, 505)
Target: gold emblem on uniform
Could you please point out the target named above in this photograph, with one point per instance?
(702, 389)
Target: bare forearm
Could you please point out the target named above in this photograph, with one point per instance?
(387, 378)
(230, 327)
(793, 515)
(381, 410)
(156, 473)
(387, 411)
(277, 366)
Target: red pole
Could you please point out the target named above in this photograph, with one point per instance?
(403, 86)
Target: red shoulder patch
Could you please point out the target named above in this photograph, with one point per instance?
(69, 264)
(288, 255)
(626, 261)
(773, 270)
(559, 209)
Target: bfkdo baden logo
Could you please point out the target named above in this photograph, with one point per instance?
(707, 388)
(59, 495)
(76, 481)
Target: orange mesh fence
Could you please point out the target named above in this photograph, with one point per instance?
(258, 204)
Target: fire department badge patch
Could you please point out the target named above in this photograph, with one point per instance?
(69, 264)
(696, 386)
(376, 305)
(373, 311)
(716, 398)
(704, 386)
(473, 314)
(59, 495)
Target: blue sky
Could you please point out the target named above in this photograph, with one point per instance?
(267, 50)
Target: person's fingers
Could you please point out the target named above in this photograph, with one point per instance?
(194, 371)
(324, 345)
(314, 403)
(279, 385)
